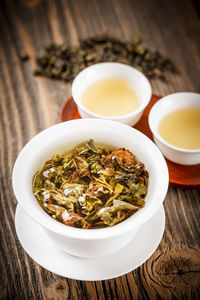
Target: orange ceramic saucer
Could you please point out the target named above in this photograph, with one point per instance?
(179, 175)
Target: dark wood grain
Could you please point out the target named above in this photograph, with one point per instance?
(29, 104)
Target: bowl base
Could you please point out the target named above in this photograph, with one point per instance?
(39, 247)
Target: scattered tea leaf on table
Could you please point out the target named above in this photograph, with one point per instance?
(64, 62)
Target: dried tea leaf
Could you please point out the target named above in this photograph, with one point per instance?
(124, 205)
(124, 157)
(49, 185)
(92, 146)
(37, 181)
(90, 204)
(64, 62)
(75, 189)
(113, 215)
(118, 189)
(67, 217)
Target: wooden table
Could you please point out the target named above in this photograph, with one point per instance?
(29, 104)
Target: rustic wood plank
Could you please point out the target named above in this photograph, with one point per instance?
(30, 104)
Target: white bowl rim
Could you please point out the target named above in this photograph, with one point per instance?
(94, 234)
(155, 107)
(136, 111)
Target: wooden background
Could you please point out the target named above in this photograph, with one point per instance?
(29, 104)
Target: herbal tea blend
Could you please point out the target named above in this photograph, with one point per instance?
(92, 187)
(65, 62)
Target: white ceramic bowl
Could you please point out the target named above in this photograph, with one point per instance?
(161, 109)
(101, 71)
(64, 136)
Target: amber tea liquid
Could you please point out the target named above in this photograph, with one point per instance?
(110, 97)
(181, 128)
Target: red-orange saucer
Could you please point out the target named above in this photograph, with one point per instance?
(179, 175)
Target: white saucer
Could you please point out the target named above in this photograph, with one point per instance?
(36, 243)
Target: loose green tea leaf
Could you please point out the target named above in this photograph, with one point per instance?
(92, 187)
(64, 62)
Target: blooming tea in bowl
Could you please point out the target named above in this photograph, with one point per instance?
(92, 187)
(62, 138)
